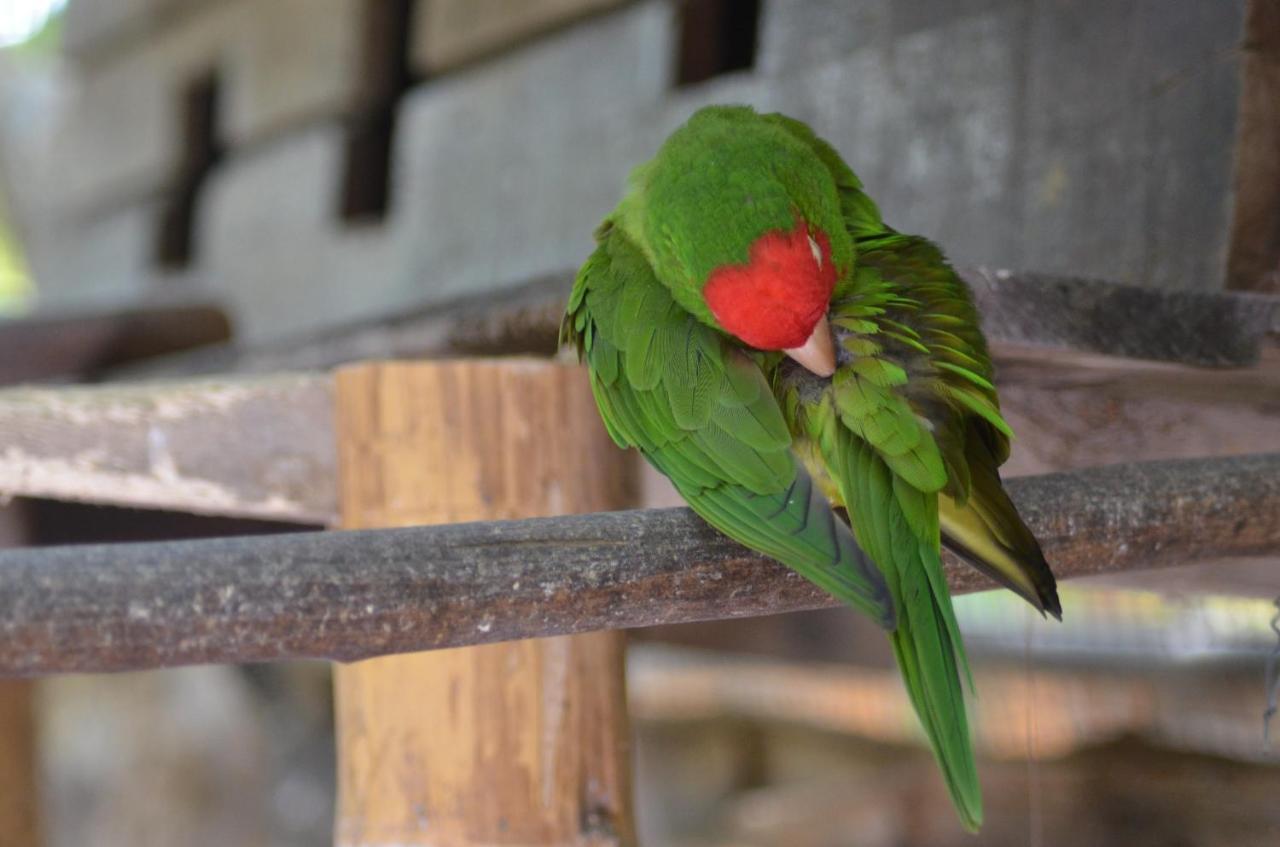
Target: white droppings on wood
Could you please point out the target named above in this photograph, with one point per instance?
(159, 458)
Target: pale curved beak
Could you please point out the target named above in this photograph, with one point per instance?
(818, 354)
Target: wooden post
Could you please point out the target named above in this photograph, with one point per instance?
(521, 742)
(19, 792)
(19, 810)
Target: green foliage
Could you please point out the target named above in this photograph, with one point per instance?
(44, 42)
(15, 283)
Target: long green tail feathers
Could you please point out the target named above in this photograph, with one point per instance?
(931, 655)
(926, 642)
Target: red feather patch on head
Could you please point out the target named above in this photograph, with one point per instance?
(774, 301)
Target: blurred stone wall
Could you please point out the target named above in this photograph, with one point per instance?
(1084, 137)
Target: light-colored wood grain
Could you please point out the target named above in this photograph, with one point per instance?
(514, 743)
(19, 809)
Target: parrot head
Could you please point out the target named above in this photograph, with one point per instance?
(744, 225)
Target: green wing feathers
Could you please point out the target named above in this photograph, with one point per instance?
(701, 411)
(909, 308)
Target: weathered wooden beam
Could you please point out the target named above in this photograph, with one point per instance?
(43, 347)
(351, 595)
(262, 446)
(1077, 410)
(1094, 316)
(255, 447)
(1253, 252)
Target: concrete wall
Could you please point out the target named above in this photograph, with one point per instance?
(1083, 137)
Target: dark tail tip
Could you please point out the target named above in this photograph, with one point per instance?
(1047, 592)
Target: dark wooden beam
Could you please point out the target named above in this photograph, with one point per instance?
(352, 595)
(1253, 253)
(1089, 315)
(1085, 316)
(43, 347)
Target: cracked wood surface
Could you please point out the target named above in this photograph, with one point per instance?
(352, 595)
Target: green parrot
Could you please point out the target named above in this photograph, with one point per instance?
(814, 384)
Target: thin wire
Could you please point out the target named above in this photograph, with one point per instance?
(1273, 680)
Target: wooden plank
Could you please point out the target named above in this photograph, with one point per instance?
(474, 325)
(1078, 410)
(522, 742)
(53, 346)
(257, 447)
(19, 785)
(1096, 316)
(351, 595)
(1223, 329)
(19, 793)
(95, 443)
(1253, 253)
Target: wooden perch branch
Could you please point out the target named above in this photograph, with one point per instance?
(350, 595)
